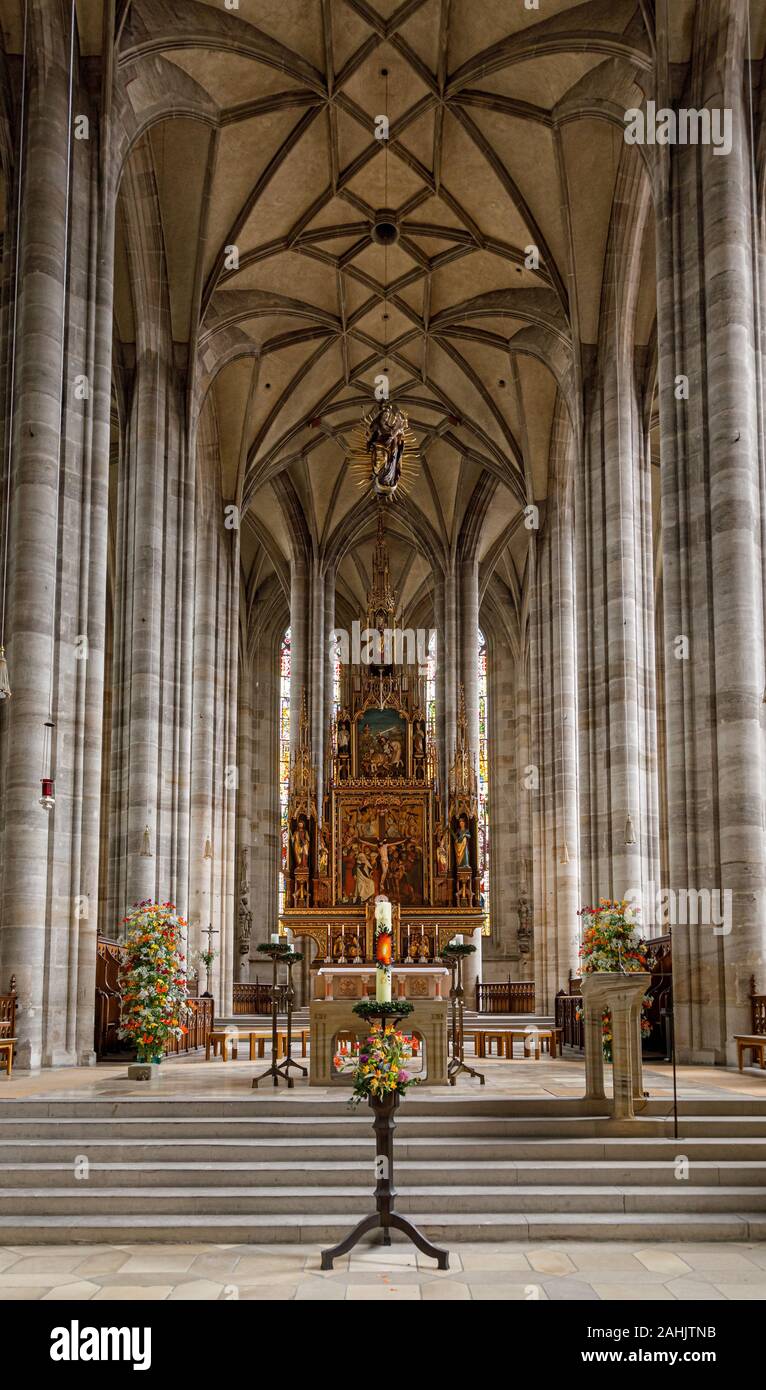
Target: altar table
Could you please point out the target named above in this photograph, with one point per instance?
(409, 982)
(329, 1017)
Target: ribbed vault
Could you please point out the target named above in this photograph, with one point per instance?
(504, 144)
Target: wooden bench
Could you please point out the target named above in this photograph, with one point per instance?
(6, 1053)
(302, 1033)
(224, 1042)
(537, 1038)
(755, 1042)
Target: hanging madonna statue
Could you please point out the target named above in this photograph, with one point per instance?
(384, 450)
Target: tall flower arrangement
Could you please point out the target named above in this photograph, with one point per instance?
(610, 942)
(152, 979)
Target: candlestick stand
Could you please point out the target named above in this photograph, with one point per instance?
(457, 1063)
(385, 1191)
(281, 954)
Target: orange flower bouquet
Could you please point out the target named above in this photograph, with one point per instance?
(610, 942)
(153, 979)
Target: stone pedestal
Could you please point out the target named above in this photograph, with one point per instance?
(332, 1016)
(622, 995)
(144, 1071)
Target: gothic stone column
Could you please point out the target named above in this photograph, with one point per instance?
(33, 541)
(713, 550)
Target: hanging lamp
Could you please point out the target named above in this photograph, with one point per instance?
(47, 796)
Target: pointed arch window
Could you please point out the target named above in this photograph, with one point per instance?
(336, 651)
(483, 778)
(431, 661)
(284, 760)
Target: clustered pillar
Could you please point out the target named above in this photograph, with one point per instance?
(710, 304)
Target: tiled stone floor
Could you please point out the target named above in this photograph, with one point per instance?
(601, 1271)
(561, 1077)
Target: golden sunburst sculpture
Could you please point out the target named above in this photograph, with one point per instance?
(384, 451)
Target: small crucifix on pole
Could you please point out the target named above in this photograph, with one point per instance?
(207, 955)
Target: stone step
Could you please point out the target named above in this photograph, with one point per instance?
(425, 1102)
(360, 1146)
(285, 1172)
(349, 1124)
(257, 1126)
(327, 1228)
(433, 1103)
(356, 1200)
(86, 1130)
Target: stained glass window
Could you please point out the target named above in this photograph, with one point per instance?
(336, 674)
(284, 759)
(483, 773)
(431, 686)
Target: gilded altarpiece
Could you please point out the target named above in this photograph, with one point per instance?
(384, 828)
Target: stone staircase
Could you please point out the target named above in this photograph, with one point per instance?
(300, 1169)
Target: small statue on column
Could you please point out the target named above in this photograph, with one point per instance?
(244, 916)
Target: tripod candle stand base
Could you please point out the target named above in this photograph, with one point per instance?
(280, 1071)
(384, 1215)
(457, 1062)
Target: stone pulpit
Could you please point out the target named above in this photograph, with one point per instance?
(622, 995)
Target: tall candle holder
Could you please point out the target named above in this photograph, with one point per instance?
(385, 1192)
(281, 953)
(454, 953)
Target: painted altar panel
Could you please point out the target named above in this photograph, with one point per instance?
(383, 847)
(381, 744)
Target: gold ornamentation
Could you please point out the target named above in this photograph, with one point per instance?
(462, 775)
(384, 451)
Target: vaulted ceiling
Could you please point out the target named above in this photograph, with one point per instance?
(505, 134)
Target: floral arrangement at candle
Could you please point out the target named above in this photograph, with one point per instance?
(610, 942)
(387, 1008)
(381, 1068)
(153, 979)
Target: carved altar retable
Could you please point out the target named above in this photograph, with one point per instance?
(384, 828)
